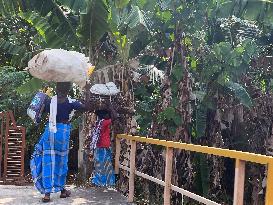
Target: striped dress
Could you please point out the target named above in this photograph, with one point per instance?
(103, 174)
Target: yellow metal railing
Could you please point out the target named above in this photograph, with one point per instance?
(240, 157)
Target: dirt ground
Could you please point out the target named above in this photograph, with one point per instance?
(27, 195)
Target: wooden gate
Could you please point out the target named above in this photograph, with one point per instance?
(12, 149)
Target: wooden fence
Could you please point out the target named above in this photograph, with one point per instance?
(12, 145)
(240, 157)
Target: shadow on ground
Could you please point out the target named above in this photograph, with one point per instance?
(27, 195)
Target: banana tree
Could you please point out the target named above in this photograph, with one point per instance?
(259, 10)
(55, 26)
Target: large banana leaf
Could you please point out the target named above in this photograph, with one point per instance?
(45, 8)
(52, 39)
(32, 85)
(75, 5)
(11, 48)
(239, 92)
(57, 19)
(261, 10)
(256, 10)
(56, 36)
(20, 56)
(94, 23)
(11, 7)
(136, 17)
(121, 3)
(133, 25)
(142, 40)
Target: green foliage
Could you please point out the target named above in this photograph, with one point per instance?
(226, 64)
(135, 18)
(16, 43)
(167, 114)
(45, 30)
(10, 79)
(10, 48)
(94, 22)
(177, 73)
(33, 85)
(237, 30)
(219, 49)
(130, 28)
(201, 120)
(52, 25)
(146, 98)
(19, 52)
(75, 5)
(240, 93)
(8, 8)
(248, 9)
(120, 4)
(261, 10)
(202, 180)
(142, 41)
(170, 117)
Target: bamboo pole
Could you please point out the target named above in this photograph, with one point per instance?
(238, 197)
(132, 171)
(117, 155)
(168, 176)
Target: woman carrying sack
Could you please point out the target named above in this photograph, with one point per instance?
(103, 174)
(49, 160)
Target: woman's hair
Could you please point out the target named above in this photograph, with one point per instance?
(102, 114)
(63, 88)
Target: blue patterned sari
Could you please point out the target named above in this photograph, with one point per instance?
(49, 160)
(103, 174)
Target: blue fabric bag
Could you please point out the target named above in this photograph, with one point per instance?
(37, 106)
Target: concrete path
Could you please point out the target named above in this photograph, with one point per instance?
(27, 195)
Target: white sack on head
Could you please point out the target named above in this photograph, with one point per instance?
(105, 89)
(59, 65)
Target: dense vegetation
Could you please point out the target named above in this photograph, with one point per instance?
(204, 76)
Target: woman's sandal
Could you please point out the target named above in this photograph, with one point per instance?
(46, 198)
(65, 193)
